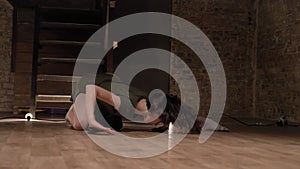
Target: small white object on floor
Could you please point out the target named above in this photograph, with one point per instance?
(171, 127)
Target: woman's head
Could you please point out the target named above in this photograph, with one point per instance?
(170, 109)
(170, 106)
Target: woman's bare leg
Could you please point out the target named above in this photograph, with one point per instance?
(90, 102)
(79, 118)
(71, 116)
(84, 107)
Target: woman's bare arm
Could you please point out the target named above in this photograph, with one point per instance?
(93, 92)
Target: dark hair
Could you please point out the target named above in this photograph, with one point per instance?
(171, 111)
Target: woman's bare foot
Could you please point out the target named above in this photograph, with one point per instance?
(222, 129)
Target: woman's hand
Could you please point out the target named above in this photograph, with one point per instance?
(151, 118)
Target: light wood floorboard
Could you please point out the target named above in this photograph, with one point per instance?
(35, 145)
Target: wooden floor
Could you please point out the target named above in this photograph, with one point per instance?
(36, 145)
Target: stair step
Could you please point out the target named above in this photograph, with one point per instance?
(56, 84)
(54, 87)
(58, 78)
(71, 15)
(54, 98)
(60, 105)
(45, 60)
(60, 25)
(53, 101)
(69, 43)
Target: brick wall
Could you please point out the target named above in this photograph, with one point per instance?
(278, 61)
(6, 77)
(264, 65)
(230, 25)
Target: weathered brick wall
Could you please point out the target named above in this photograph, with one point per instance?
(278, 61)
(6, 77)
(229, 24)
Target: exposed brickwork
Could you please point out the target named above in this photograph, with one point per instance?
(266, 66)
(229, 24)
(6, 78)
(278, 61)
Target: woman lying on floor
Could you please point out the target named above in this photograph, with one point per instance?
(83, 115)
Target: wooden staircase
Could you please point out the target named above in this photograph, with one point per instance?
(63, 31)
(59, 36)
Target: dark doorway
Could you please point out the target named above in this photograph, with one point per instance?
(149, 79)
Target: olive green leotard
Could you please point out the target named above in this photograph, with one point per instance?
(120, 89)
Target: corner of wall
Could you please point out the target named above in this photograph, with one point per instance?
(6, 76)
